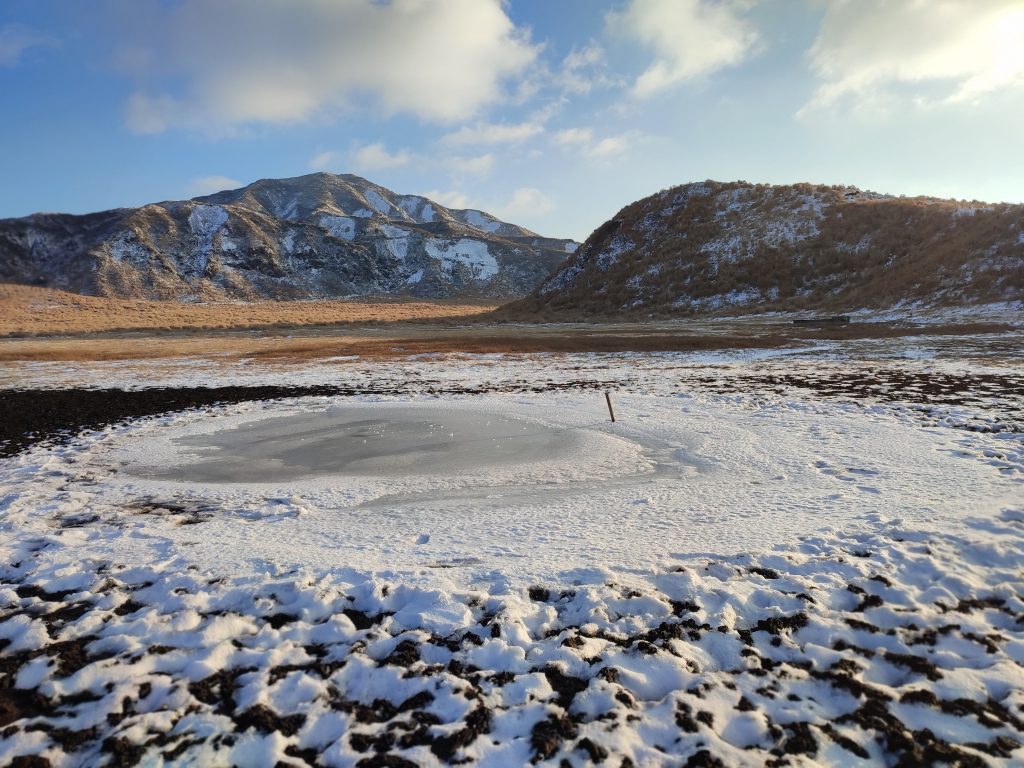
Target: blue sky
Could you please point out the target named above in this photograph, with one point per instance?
(549, 113)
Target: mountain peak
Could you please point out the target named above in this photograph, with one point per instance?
(317, 235)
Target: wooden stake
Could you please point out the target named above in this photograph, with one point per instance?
(611, 411)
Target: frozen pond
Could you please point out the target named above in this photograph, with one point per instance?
(378, 440)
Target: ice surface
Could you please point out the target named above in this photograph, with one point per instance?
(378, 440)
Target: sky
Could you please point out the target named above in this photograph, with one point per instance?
(552, 114)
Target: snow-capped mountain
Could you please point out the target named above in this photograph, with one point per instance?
(321, 235)
(713, 247)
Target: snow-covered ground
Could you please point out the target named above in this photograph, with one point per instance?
(812, 555)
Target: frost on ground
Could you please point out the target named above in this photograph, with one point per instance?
(774, 562)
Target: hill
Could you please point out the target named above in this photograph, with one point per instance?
(728, 248)
(316, 236)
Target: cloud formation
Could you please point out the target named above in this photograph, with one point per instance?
(961, 48)
(689, 38)
(574, 136)
(375, 157)
(450, 199)
(207, 185)
(526, 201)
(237, 62)
(492, 133)
(15, 39)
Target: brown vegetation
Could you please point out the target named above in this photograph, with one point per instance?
(26, 311)
(413, 339)
(737, 248)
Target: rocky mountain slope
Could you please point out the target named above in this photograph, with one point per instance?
(321, 235)
(723, 248)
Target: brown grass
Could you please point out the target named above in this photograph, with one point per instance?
(421, 339)
(31, 311)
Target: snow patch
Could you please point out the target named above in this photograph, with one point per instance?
(205, 220)
(396, 240)
(419, 208)
(126, 247)
(472, 253)
(482, 221)
(378, 202)
(341, 227)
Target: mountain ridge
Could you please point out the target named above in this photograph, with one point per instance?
(736, 247)
(319, 235)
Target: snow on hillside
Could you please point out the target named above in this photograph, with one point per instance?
(760, 248)
(471, 253)
(339, 226)
(316, 236)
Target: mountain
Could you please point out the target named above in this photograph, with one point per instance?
(315, 236)
(713, 247)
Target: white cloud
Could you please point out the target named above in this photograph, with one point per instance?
(207, 185)
(492, 133)
(375, 157)
(612, 145)
(326, 161)
(571, 136)
(151, 114)
(689, 38)
(480, 165)
(238, 62)
(451, 199)
(526, 201)
(609, 146)
(582, 70)
(16, 39)
(962, 48)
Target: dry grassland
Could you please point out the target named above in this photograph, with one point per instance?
(437, 338)
(31, 311)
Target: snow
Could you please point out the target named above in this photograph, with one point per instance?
(572, 247)
(363, 213)
(619, 245)
(126, 247)
(481, 221)
(419, 208)
(744, 562)
(969, 210)
(472, 253)
(378, 202)
(415, 277)
(205, 221)
(341, 227)
(288, 241)
(396, 240)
